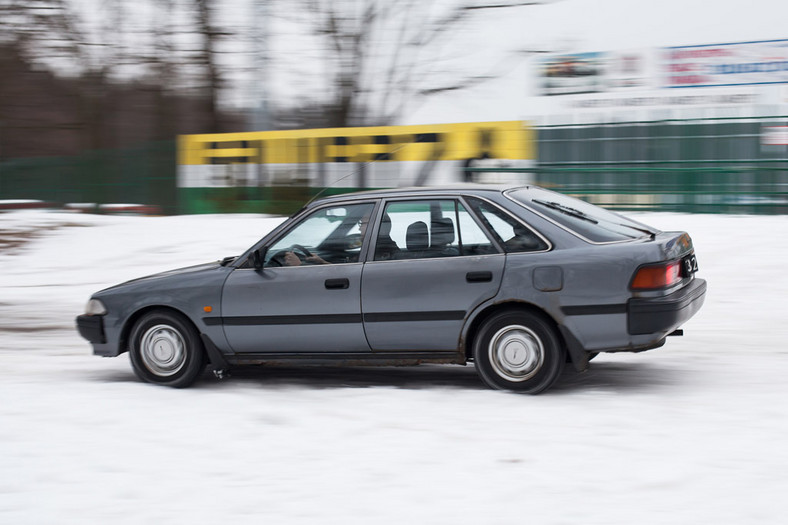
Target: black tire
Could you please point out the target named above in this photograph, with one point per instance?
(518, 351)
(166, 349)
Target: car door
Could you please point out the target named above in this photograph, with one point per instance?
(306, 298)
(443, 265)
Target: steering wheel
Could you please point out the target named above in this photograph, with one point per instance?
(301, 249)
(300, 252)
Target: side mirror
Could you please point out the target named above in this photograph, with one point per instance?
(258, 258)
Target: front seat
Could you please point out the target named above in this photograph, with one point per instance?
(417, 240)
(442, 237)
(385, 247)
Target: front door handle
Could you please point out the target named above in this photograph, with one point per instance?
(337, 284)
(478, 277)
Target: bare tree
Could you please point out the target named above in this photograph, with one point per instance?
(207, 60)
(377, 57)
(37, 27)
(29, 31)
(360, 62)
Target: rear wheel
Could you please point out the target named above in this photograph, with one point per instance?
(518, 351)
(166, 349)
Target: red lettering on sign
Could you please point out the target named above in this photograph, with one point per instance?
(682, 68)
(712, 52)
(687, 79)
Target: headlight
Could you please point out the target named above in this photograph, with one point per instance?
(95, 307)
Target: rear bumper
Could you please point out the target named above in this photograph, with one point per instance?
(665, 314)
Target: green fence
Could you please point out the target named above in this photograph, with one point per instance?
(711, 165)
(720, 165)
(758, 187)
(141, 175)
(274, 199)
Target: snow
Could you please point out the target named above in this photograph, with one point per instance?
(693, 432)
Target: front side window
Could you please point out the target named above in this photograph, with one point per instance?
(511, 234)
(331, 235)
(419, 229)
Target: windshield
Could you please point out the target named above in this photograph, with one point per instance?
(587, 220)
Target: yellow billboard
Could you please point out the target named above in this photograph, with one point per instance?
(463, 141)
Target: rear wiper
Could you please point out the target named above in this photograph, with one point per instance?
(567, 210)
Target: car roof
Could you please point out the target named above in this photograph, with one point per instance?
(418, 191)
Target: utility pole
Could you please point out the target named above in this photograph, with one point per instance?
(1, 158)
(260, 117)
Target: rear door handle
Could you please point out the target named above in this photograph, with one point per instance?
(478, 277)
(337, 284)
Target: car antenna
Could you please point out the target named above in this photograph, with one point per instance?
(318, 194)
(354, 172)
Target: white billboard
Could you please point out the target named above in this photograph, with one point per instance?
(572, 74)
(737, 64)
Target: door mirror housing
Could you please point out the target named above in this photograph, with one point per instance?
(258, 258)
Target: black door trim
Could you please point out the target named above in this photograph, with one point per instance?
(261, 320)
(396, 317)
(595, 309)
(375, 317)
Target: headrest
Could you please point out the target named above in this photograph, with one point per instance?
(442, 232)
(385, 226)
(417, 237)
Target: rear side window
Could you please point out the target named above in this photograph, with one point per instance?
(510, 233)
(587, 220)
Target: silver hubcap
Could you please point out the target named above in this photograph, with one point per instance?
(516, 353)
(163, 350)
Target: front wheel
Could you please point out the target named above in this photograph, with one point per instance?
(166, 349)
(518, 351)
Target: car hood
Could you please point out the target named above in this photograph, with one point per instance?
(170, 273)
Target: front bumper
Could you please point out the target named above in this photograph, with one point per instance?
(664, 314)
(91, 327)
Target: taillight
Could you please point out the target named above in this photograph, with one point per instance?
(657, 276)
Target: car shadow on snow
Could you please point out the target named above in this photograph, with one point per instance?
(606, 376)
(618, 377)
(114, 376)
(405, 377)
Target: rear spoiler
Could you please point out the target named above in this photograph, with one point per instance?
(674, 245)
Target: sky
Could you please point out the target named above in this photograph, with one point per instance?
(599, 25)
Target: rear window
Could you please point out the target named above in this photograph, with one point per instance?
(587, 220)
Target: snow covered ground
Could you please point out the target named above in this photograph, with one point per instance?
(692, 433)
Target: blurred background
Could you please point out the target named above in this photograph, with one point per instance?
(208, 106)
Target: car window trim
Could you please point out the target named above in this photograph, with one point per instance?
(369, 242)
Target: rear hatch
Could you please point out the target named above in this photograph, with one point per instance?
(667, 259)
(588, 221)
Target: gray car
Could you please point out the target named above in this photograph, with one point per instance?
(518, 281)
